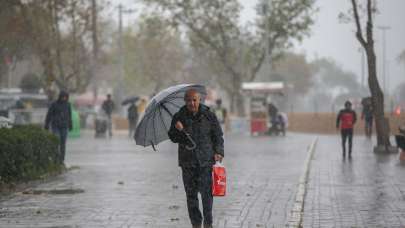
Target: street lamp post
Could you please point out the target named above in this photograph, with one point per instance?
(121, 11)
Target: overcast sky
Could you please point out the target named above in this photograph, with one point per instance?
(329, 38)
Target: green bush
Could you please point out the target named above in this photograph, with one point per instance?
(27, 153)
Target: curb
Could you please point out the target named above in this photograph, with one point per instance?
(298, 208)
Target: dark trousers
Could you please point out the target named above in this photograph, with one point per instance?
(132, 127)
(198, 180)
(62, 135)
(109, 125)
(347, 135)
(368, 124)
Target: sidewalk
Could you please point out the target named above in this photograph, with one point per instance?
(129, 186)
(366, 191)
(116, 184)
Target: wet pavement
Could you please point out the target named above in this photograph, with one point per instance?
(114, 183)
(128, 186)
(365, 191)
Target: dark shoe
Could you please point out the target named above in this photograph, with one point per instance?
(207, 226)
(196, 226)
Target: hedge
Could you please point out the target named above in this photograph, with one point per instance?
(27, 153)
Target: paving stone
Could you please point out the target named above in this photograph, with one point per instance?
(128, 186)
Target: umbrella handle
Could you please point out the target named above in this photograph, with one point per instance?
(194, 145)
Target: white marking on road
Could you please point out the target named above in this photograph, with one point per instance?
(298, 208)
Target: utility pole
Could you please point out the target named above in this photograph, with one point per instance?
(384, 63)
(121, 11)
(94, 60)
(266, 4)
(94, 21)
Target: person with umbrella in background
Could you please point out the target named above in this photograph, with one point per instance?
(196, 162)
(132, 118)
(132, 114)
(367, 115)
(108, 107)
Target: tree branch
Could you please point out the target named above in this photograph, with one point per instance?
(359, 33)
(257, 67)
(369, 22)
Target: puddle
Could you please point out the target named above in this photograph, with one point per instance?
(53, 191)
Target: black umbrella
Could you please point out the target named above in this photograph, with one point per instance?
(130, 100)
(156, 121)
(366, 101)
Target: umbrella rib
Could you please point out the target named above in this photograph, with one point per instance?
(154, 129)
(144, 135)
(166, 109)
(164, 124)
(146, 128)
(177, 92)
(175, 97)
(174, 104)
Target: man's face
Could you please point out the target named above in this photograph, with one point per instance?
(64, 98)
(192, 99)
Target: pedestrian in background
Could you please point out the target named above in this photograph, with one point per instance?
(367, 116)
(132, 119)
(59, 120)
(196, 164)
(345, 121)
(108, 107)
(221, 113)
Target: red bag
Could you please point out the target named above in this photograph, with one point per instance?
(218, 180)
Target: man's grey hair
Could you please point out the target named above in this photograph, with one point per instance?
(191, 91)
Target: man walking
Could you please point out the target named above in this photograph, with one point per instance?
(346, 120)
(59, 118)
(108, 108)
(196, 163)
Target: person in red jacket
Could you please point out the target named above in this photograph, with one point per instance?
(345, 121)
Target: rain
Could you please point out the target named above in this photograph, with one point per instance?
(272, 113)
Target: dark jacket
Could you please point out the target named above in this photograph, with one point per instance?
(59, 114)
(132, 113)
(346, 119)
(108, 107)
(206, 131)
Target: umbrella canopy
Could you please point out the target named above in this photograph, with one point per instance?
(130, 100)
(366, 101)
(156, 121)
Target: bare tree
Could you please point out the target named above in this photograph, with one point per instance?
(367, 42)
(237, 54)
(154, 56)
(60, 35)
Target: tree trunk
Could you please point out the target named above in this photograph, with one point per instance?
(377, 96)
(240, 104)
(382, 128)
(232, 103)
